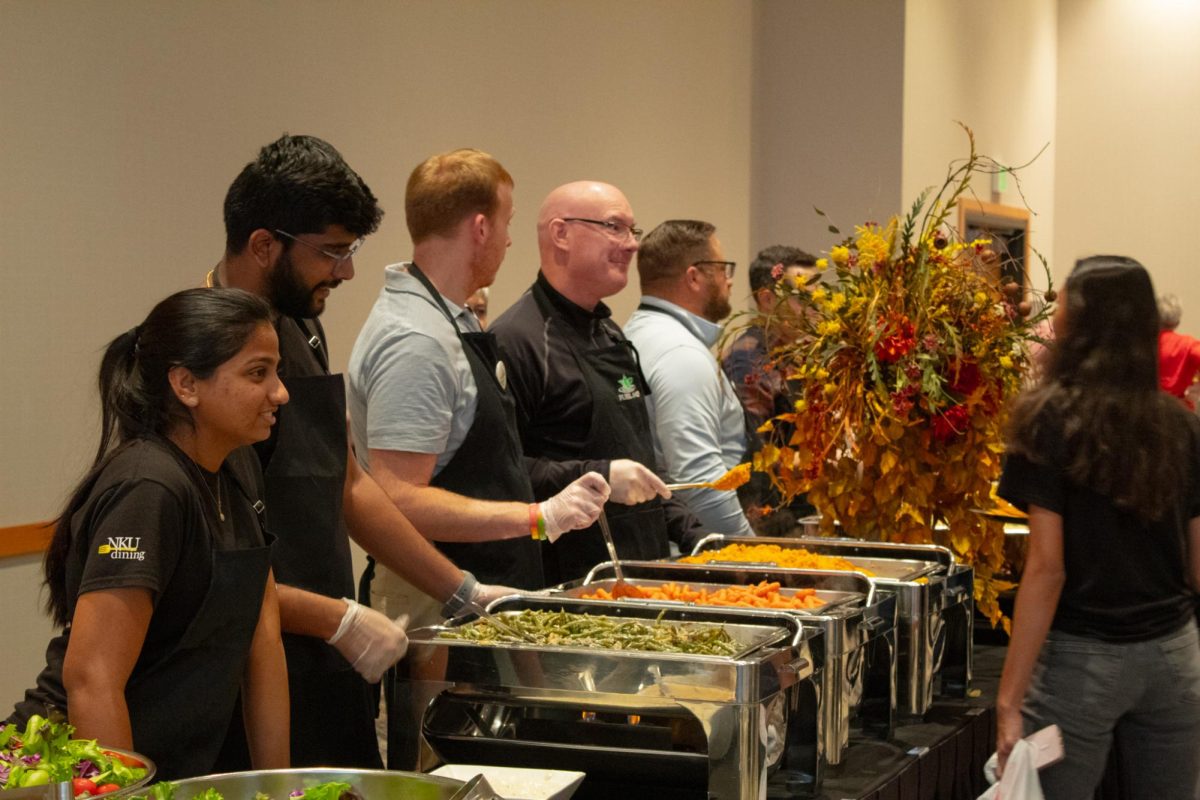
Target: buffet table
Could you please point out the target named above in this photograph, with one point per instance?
(940, 758)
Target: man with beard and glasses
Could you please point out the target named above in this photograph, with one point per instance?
(700, 428)
(294, 219)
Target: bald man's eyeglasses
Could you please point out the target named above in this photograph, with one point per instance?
(619, 230)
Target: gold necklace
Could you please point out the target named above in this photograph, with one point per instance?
(216, 498)
(210, 282)
(220, 510)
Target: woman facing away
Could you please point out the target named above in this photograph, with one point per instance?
(158, 569)
(1107, 466)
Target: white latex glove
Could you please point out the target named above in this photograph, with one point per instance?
(576, 506)
(369, 640)
(486, 593)
(632, 483)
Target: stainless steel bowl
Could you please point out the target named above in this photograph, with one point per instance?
(374, 784)
(133, 788)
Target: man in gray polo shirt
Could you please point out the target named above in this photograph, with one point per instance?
(431, 413)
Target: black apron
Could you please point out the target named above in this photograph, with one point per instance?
(620, 428)
(181, 701)
(304, 464)
(205, 667)
(489, 464)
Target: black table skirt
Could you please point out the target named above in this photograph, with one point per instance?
(941, 757)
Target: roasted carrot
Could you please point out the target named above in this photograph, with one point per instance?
(766, 594)
(796, 558)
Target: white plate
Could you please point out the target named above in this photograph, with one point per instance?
(513, 783)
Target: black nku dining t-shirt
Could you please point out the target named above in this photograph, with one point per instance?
(149, 522)
(1126, 577)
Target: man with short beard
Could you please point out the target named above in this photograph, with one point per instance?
(698, 420)
(294, 218)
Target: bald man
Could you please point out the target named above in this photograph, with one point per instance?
(580, 393)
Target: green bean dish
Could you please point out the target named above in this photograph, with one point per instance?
(594, 631)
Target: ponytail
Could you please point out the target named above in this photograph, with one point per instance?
(199, 329)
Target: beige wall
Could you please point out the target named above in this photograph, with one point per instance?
(992, 66)
(1128, 166)
(123, 123)
(828, 104)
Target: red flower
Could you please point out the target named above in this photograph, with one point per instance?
(777, 272)
(899, 341)
(950, 423)
(964, 377)
(902, 401)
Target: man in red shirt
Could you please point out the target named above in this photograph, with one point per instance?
(1178, 355)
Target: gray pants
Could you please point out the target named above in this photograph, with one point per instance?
(1147, 694)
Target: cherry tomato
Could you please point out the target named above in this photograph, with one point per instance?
(128, 761)
(105, 788)
(83, 786)
(35, 777)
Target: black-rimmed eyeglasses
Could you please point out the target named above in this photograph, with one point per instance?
(618, 229)
(728, 266)
(337, 258)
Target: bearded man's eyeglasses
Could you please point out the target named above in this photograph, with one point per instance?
(728, 266)
(337, 258)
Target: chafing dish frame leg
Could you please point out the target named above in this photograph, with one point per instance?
(404, 720)
(877, 712)
(917, 634)
(955, 672)
(803, 764)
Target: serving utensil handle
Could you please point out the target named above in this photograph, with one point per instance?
(612, 547)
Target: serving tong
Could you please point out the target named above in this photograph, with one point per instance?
(718, 484)
(498, 623)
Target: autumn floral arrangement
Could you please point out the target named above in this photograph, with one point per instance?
(903, 360)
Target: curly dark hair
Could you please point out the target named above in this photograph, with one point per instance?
(1120, 435)
(298, 184)
(768, 257)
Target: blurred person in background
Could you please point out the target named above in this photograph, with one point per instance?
(746, 359)
(477, 304)
(1107, 466)
(761, 387)
(1178, 355)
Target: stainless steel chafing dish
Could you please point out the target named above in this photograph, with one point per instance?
(855, 659)
(716, 723)
(935, 609)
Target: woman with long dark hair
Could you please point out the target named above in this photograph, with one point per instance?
(159, 568)
(1104, 641)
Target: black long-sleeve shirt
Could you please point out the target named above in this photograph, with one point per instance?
(554, 402)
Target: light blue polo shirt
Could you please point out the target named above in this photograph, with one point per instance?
(411, 387)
